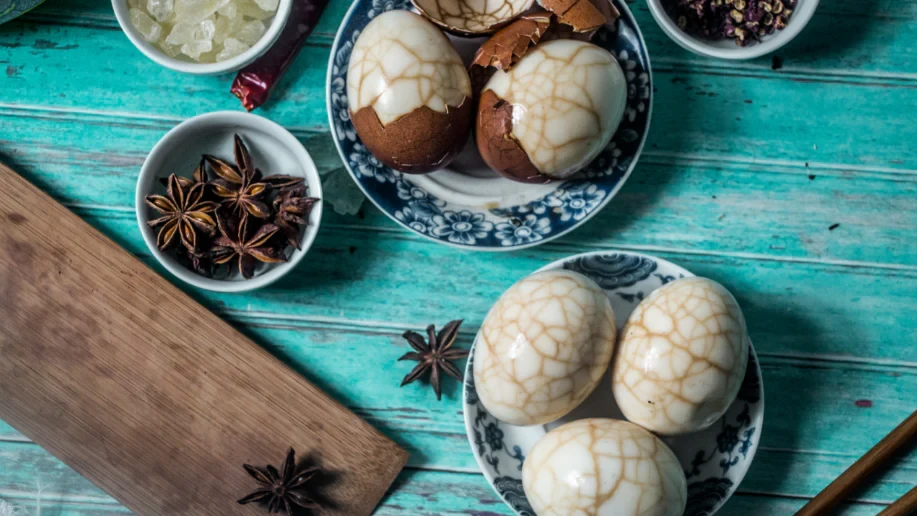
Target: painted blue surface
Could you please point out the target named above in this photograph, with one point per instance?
(745, 172)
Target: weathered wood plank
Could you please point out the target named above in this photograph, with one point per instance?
(840, 312)
(759, 210)
(846, 38)
(807, 439)
(415, 492)
(733, 116)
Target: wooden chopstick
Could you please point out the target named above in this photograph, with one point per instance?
(838, 490)
(905, 506)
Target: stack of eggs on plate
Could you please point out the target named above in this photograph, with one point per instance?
(543, 101)
(676, 368)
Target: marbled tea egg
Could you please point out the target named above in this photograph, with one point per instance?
(544, 347)
(682, 357)
(409, 93)
(552, 113)
(603, 467)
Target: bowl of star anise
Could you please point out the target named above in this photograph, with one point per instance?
(229, 201)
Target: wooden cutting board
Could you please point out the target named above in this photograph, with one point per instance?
(145, 392)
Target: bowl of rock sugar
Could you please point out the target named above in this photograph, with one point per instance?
(202, 37)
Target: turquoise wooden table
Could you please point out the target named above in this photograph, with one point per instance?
(795, 186)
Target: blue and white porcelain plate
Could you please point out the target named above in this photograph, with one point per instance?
(715, 460)
(467, 205)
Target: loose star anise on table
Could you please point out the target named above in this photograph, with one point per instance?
(436, 356)
(185, 214)
(285, 489)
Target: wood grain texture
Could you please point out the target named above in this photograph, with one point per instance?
(745, 171)
(147, 393)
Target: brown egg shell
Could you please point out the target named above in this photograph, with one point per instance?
(509, 44)
(494, 139)
(422, 141)
(584, 16)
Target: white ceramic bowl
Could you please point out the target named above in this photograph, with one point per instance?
(188, 66)
(727, 48)
(274, 150)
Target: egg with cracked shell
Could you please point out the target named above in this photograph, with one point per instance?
(552, 113)
(603, 467)
(543, 347)
(682, 357)
(472, 17)
(409, 93)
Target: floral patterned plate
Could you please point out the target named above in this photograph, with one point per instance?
(715, 460)
(466, 204)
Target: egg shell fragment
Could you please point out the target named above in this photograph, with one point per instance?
(682, 357)
(544, 347)
(583, 15)
(603, 467)
(409, 93)
(505, 48)
(560, 104)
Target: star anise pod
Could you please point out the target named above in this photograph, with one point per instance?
(238, 186)
(436, 356)
(198, 176)
(185, 213)
(284, 489)
(291, 212)
(234, 244)
(281, 181)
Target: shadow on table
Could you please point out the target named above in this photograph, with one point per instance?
(645, 189)
(836, 28)
(331, 262)
(790, 390)
(451, 390)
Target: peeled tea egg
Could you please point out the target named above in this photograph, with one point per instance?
(544, 347)
(603, 467)
(682, 357)
(552, 113)
(409, 93)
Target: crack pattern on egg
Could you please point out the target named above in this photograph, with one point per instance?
(544, 347)
(603, 467)
(400, 63)
(567, 98)
(682, 357)
(472, 16)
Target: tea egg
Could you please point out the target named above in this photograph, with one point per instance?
(544, 347)
(603, 467)
(471, 17)
(409, 93)
(552, 113)
(682, 357)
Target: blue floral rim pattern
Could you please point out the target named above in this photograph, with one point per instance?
(573, 201)
(714, 460)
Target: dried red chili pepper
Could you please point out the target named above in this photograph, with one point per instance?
(253, 85)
